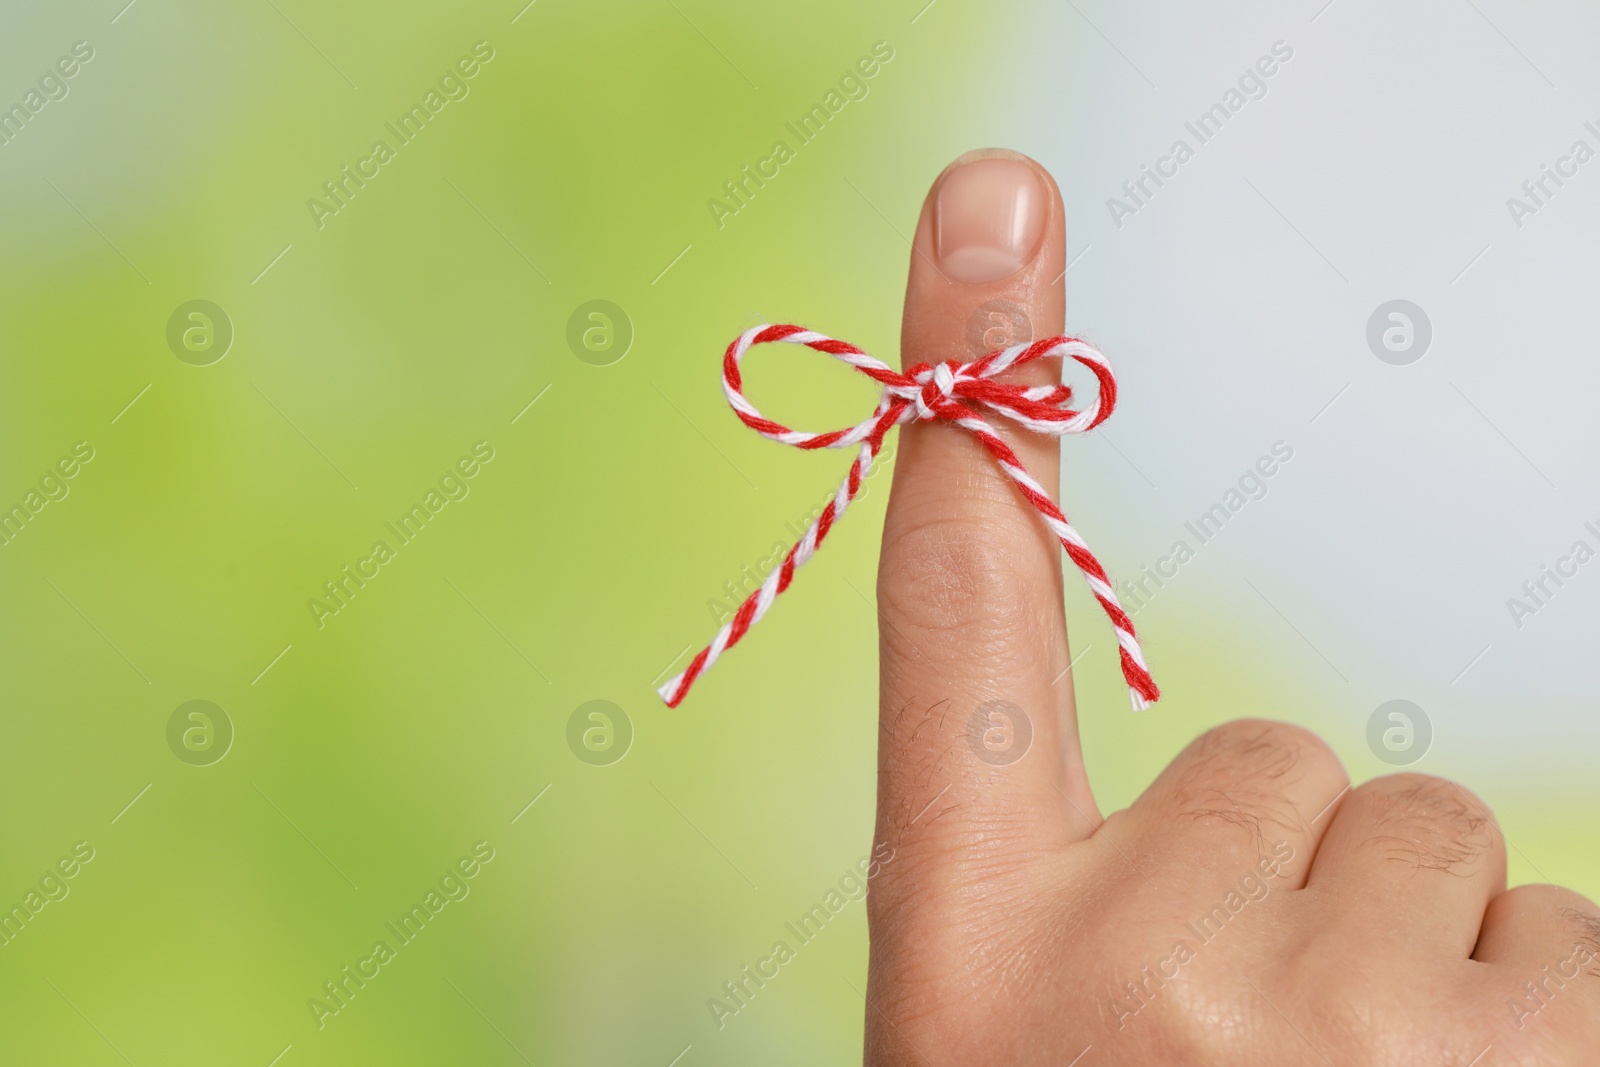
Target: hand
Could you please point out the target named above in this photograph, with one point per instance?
(1250, 908)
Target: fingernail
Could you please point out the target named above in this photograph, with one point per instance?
(988, 219)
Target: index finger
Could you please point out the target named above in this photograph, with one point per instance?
(979, 738)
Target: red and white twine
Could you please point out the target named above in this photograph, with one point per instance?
(952, 392)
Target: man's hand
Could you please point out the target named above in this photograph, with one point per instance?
(1250, 908)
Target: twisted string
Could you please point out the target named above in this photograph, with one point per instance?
(949, 392)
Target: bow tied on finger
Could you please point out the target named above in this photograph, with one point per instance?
(950, 392)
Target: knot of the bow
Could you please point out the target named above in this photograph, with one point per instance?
(938, 382)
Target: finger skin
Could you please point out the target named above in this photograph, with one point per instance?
(1239, 792)
(1539, 926)
(970, 583)
(971, 622)
(1412, 860)
(1542, 943)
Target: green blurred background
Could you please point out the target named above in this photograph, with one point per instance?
(369, 354)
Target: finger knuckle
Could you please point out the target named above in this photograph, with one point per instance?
(1575, 913)
(1585, 925)
(1268, 748)
(1239, 771)
(1431, 823)
(1542, 897)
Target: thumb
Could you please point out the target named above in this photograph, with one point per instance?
(979, 738)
